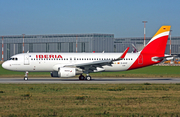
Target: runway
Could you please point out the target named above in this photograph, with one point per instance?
(93, 81)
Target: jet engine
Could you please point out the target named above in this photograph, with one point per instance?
(64, 72)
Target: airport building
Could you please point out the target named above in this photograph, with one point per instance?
(56, 43)
(11, 45)
(120, 44)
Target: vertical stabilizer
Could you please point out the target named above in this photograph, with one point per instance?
(154, 49)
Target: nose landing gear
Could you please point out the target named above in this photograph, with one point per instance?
(26, 76)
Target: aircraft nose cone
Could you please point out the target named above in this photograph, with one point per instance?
(5, 65)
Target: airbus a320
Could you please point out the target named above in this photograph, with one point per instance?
(72, 64)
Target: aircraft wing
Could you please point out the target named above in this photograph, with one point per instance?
(91, 66)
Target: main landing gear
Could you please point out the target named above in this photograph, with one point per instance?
(88, 77)
(26, 76)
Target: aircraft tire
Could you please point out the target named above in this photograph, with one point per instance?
(88, 78)
(81, 77)
(25, 78)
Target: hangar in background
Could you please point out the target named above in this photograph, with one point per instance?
(56, 43)
(67, 43)
(121, 44)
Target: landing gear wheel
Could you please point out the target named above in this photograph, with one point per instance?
(81, 77)
(25, 78)
(88, 78)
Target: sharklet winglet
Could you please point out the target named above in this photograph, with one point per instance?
(123, 55)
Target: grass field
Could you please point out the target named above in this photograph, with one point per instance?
(151, 71)
(89, 100)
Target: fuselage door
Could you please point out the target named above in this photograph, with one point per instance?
(26, 59)
(140, 59)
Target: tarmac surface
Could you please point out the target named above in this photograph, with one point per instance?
(93, 81)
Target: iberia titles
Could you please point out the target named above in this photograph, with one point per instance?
(48, 56)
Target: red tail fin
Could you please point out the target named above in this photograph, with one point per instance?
(155, 48)
(157, 44)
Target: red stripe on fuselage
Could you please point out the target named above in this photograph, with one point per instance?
(143, 60)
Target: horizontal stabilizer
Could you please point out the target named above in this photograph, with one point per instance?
(165, 57)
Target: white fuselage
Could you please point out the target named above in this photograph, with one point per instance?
(48, 61)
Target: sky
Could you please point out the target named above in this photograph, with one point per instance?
(123, 18)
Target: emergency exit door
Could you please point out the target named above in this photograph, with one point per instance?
(26, 59)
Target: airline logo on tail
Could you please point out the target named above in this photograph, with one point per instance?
(153, 52)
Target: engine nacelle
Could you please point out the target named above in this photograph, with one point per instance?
(64, 72)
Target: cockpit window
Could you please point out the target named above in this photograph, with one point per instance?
(14, 59)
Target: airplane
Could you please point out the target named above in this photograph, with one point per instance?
(72, 64)
(134, 49)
